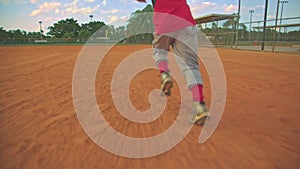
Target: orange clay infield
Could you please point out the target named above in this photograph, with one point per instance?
(39, 128)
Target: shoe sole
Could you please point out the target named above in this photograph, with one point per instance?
(166, 88)
(200, 120)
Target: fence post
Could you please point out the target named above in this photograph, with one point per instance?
(274, 35)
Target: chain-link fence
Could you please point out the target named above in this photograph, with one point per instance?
(222, 32)
(53, 41)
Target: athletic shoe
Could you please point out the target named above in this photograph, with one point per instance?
(166, 83)
(200, 113)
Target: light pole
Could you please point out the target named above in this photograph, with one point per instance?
(282, 2)
(251, 12)
(91, 16)
(41, 31)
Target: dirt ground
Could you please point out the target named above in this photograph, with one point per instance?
(39, 129)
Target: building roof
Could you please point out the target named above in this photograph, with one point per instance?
(214, 17)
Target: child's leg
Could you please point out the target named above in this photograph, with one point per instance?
(161, 47)
(186, 52)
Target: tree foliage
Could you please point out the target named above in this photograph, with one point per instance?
(68, 28)
(92, 27)
(4, 34)
(140, 21)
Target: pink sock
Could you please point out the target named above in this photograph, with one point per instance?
(197, 92)
(163, 66)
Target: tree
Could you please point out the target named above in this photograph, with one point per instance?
(214, 26)
(84, 34)
(88, 29)
(110, 31)
(68, 29)
(140, 21)
(120, 32)
(33, 35)
(230, 25)
(3, 33)
(93, 26)
(242, 31)
(65, 28)
(17, 34)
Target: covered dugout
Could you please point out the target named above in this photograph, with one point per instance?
(219, 35)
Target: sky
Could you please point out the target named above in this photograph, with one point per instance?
(26, 14)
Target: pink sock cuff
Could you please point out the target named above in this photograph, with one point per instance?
(163, 66)
(197, 91)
